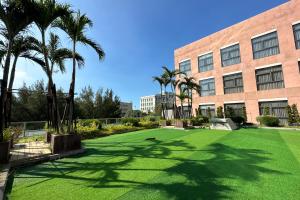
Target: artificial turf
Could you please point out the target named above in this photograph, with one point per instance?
(194, 164)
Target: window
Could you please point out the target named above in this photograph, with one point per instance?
(237, 109)
(205, 62)
(299, 66)
(185, 66)
(230, 55)
(296, 29)
(205, 108)
(266, 45)
(207, 87)
(269, 78)
(233, 83)
(277, 108)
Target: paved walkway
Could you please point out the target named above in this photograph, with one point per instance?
(27, 151)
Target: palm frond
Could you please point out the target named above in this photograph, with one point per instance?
(89, 42)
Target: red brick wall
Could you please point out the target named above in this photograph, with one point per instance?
(280, 18)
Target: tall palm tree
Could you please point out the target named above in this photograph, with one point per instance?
(47, 11)
(16, 16)
(182, 96)
(160, 81)
(171, 75)
(75, 25)
(190, 86)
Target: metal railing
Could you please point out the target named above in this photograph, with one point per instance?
(31, 128)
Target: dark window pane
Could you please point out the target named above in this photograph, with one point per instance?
(296, 29)
(237, 109)
(266, 45)
(207, 87)
(185, 66)
(233, 83)
(230, 55)
(205, 62)
(269, 78)
(205, 108)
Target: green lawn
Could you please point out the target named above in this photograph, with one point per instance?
(194, 164)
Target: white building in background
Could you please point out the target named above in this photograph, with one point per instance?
(147, 103)
(125, 108)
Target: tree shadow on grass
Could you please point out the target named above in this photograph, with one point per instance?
(198, 176)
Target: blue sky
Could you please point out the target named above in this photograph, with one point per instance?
(139, 36)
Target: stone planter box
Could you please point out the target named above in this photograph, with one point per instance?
(48, 137)
(181, 124)
(4, 152)
(65, 143)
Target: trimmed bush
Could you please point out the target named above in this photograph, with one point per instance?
(149, 124)
(91, 123)
(268, 120)
(238, 119)
(131, 121)
(200, 120)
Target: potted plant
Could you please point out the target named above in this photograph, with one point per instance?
(181, 123)
(5, 146)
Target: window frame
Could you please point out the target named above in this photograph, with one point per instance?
(283, 119)
(212, 109)
(229, 52)
(235, 82)
(238, 112)
(190, 66)
(272, 72)
(209, 88)
(264, 44)
(206, 57)
(294, 32)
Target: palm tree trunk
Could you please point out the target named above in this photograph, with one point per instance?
(191, 109)
(10, 87)
(181, 110)
(4, 88)
(162, 105)
(71, 91)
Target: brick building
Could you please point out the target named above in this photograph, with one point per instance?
(252, 64)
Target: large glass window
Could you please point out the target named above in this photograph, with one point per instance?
(296, 29)
(185, 67)
(233, 83)
(269, 78)
(237, 109)
(299, 66)
(207, 87)
(266, 45)
(205, 62)
(276, 108)
(205, 109)
(230, 55)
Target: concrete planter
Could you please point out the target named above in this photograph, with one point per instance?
(65, 143)
(4, 152)
(181, 124)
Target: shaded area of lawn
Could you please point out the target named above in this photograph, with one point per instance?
(197, 164)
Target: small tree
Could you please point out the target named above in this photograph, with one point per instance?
(290, 114)
(229, 112)
(220, 113)
(245, 114)
(295, 113)
(266, 111)
(208, 113)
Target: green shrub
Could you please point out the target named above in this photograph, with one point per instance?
(131, 121)
(169, 122)
(149, 124)
(268, 120)
(200, 120)
(238, 119)
(91, 123)
(220, 113)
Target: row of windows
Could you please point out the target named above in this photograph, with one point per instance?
(266, 79)
(276, 108)
(262, 46)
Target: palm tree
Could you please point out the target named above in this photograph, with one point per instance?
(160, 82)
(47, 11)
(75, 25)
(171, 75)
(182, 96)
(190, 85)
(16, 16)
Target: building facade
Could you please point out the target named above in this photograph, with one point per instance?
(147, 104)
(150, 103)
(253, 64)
(125, 107)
